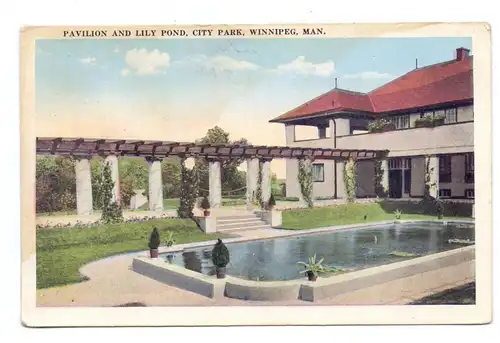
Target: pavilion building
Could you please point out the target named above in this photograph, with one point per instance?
(431, 115)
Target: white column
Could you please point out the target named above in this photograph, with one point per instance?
(83, 187)
(433, 162)
(214, 184)
(252, 177)
(112, 161)
(266, 180)
(385, 175)
(155, 185)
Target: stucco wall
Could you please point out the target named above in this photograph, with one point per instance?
(320, 189)
(454, 138)
(365, 179)
(465, 113)
(417, 176)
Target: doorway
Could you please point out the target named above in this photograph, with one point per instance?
(399, 177)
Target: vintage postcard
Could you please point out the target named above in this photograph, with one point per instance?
(314, 174)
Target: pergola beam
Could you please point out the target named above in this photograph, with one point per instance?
(85, 147)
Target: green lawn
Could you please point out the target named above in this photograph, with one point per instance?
(301, 219)
(61, 252)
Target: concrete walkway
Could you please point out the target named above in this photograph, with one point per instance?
(112, 283)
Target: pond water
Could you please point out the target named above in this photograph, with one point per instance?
(353, 249)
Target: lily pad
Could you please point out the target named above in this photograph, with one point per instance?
(402, 254)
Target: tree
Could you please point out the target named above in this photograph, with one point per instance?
(231, 177)
(111, 211)
(55, 184)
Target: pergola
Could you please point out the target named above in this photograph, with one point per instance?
(82, 149)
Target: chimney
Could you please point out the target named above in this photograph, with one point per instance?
(461, 54)
(335, 82)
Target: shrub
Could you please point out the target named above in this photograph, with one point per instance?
(154, 239)
(430, 121)
(189, 191)
(111, 212)
(271, 202)
(220, 254)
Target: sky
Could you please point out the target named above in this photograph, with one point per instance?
(178, 89)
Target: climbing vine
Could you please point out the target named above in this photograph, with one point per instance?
(111, 211)
(350, 180)
(258, 192)
(189, 191)
(306, 182)
(380, 190)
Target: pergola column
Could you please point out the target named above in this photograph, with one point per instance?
(214, 183)
(252, 178)
(83, 187)
(155, 184)
(433, 183)
(266, 180)
(385, 175)
(112, 161)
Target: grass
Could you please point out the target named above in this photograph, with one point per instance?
(464, 295)
(301, 219)
(62, 252)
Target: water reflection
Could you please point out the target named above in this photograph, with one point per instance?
(276, 259)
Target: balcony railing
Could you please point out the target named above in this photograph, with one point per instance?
(452, 138)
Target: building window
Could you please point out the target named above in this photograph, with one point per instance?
(318, 172)
(469, 193)
(469, 168)
(401, 122)
(450, 115)
(399, 163)
(445, 193)
(445, 168)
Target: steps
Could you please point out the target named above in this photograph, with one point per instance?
(240, 222)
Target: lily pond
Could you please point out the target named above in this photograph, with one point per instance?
(346, 250)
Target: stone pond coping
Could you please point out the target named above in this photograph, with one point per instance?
(303, 289)
(210, 286)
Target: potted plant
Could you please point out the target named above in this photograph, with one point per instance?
(220, 259)
(169, 241)
(205, 205)
(271, 202)
(439, 120)
(154, 243)
(425, 121)
(398, 213)
(313, 268)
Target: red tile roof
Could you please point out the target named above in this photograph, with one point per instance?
(440, 83)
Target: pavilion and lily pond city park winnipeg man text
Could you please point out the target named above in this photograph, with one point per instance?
(376, 209)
